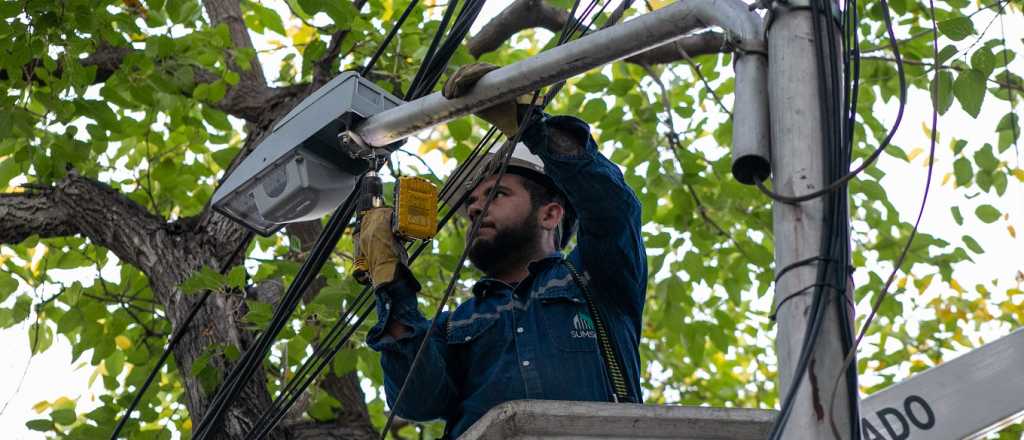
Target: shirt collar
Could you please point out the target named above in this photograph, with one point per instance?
(488, 284)
(540, 265)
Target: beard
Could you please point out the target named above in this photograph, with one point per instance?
(508, 246)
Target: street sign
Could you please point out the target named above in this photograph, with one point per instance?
(967, 397)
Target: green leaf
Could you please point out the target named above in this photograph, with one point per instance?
(969, 89)
(22, 308)
(985, 159)
(224, 157)
(460, 129)
(40, 425)
(959, 218)
(203, 279)
(269, 18)
(999, 181)
(259, 313)
(344, 362)
(942, 91)
(973, 245)
(593, 82)
(231, 77)
(40, 337)
(236, 277)
(216, 91)
(63, 416)
(957, 29)
(963, 171)
(946, 53)
(183, 11)
(958, 145)
(7, 286)
(987, 213)
(1008, 129)
(983, 61)
(9, 169)
(593, 110)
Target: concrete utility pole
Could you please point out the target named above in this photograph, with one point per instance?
(797, 169)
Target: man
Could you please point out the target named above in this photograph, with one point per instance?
(528, 331)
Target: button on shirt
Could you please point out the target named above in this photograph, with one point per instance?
(535, 340)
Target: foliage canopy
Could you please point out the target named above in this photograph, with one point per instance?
(120, 116)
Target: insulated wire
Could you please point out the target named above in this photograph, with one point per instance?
(183, 327)
(317, 362)
(838, 183)
(244, 369)
(252, 358)
(387, 38)
(835, 243)
(924, 199)
(504, 156)
(330, 345)
(448, 11)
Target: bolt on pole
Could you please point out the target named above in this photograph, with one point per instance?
(796, 160)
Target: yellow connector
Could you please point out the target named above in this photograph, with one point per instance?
(415, 208)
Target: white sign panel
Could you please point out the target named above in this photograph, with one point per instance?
(963, 398)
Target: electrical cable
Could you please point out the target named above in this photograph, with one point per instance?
(336, 339)
(183, 327)
(838, 183)
(448, 11)
(332, 344)
(849, 360)
(387, 38)
(252, 358)
(504, 155)
(833, 260)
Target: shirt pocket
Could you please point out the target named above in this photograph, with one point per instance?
(567, 320)
(466, 331)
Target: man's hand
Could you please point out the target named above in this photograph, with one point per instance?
(378, 245)
(504, 115)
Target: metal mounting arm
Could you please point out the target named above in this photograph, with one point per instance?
(745, 31)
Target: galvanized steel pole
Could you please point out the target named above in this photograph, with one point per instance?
(797, 169)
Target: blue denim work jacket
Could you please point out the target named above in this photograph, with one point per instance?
(535, 340)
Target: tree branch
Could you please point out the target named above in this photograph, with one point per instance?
(244, 100)
(520, 15)
(323, 71)
(528, 14)
(78, 205)
(328, 431)
(229, 13)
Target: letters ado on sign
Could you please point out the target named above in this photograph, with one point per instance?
(897, 424)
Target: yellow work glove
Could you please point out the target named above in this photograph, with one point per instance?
(503, 115)
(378, 246)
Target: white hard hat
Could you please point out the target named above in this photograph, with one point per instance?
(526, 164)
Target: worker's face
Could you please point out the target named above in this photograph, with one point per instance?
(509, 229)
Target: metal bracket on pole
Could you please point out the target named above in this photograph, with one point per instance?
(746, 30)
(319, 120)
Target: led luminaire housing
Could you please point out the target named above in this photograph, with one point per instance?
(301, 171)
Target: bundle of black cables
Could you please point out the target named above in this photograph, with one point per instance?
(572, 25)
(837, 111)
(837, 107)
(436, 61)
